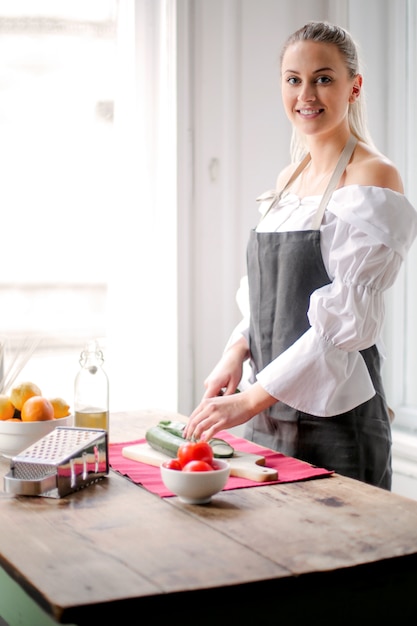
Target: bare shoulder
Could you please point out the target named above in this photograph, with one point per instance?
(371, 168)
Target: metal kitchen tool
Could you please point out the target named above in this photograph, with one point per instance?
(64, 461)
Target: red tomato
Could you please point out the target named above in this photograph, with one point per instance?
(195, 451)
(197, 466)
(172, 464)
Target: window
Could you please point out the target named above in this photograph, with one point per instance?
(88, 153)
(402, 329)
(57, 89)
(402, 333)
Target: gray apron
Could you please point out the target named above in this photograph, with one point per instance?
(284, 268)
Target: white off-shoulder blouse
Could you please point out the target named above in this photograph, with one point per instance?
(366, 233)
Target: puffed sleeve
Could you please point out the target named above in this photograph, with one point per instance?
(365, 238)
(242, 300)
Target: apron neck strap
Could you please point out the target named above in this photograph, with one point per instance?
(295, 173)
(338, 171)
(335, 177)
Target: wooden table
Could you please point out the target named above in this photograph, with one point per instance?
(332, 549)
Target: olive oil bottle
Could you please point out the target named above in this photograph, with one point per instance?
(91, 390)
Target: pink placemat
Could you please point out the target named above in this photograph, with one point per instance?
(289, 468)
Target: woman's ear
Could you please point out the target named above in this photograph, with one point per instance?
(356, 88)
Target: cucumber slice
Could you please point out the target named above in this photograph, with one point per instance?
(221, 449)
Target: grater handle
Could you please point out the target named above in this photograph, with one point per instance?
(24, 487)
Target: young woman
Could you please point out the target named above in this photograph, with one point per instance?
(331, 240)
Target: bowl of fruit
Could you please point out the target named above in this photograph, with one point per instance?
(195, 476)
(26, 416)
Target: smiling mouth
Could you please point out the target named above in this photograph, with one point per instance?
(307, 112)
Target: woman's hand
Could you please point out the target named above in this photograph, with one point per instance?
(227, 374)
(221, 412)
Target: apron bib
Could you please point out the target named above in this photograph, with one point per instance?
(284, 268)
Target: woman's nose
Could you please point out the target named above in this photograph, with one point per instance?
(307, 94)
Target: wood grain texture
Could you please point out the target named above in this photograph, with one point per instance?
(116, 545)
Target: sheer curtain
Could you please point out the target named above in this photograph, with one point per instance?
(56, 156)
(142, 283)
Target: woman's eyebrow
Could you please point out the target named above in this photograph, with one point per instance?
(321, 69)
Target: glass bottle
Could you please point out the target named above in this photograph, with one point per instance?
(91, 390)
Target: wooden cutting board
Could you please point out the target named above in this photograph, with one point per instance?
(243, 465)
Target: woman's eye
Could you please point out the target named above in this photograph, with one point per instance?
(323, 80)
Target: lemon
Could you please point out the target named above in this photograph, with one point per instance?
(61, 407)
(23, 392)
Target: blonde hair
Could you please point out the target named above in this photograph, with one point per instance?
(324, 32)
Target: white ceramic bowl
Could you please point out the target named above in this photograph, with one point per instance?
(17, 436)
(196, 487)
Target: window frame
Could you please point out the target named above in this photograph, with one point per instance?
(403, 297)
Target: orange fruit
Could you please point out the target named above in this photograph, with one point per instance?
(23, 392)
(6, 408)
(37, 409)
(61, 407)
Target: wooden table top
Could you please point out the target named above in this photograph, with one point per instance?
(116, 545)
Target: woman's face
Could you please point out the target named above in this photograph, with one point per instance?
(316, 87)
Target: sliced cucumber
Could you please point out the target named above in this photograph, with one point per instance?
(221, 449)
(167, 437)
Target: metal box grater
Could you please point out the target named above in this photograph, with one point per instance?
(64, 461)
